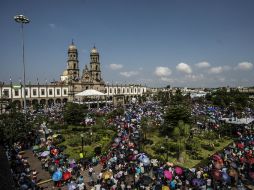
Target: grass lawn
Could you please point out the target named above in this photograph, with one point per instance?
(97, 135)
(172, 156)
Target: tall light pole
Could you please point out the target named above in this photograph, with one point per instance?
(23, 20)
(82, 142)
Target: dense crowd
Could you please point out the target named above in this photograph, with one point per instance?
(124, 166)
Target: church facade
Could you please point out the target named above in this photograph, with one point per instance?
(91, 74)
(71, 82)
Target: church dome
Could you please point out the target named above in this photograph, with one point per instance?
(72, 47)
(65, 73)
(94, 50)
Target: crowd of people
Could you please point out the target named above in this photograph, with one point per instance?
(24, 177)
(130, 169)
(125, 166)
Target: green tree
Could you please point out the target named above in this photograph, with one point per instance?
(164, 97)
(74, 113)
(173, 115)
(178, 110)
(14, 127)
(144, 126)
(181, 134)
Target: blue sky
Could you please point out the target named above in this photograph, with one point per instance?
(194, 43)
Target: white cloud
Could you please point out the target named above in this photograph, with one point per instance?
(245, 66)
(162, 71)
(203, 64)
(115, 66)
(52, 25)
(216, 70)
(183, 67)
(128, 73)
(194, 77)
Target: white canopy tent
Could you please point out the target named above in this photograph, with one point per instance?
(90, 92)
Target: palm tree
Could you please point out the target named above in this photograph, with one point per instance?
(181, 133)
(144, 126)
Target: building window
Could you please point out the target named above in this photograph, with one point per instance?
(16, 92)
(114, 91)
(6, 93)
(127, 90)
(42, 92)
(110, 90)
(118, 91)
(26, 91)
(123, 91)
(58, 91)
(50, 92)
(131, 90)
(138, 90)
(106, 90)
(65, 91)
(34, 92)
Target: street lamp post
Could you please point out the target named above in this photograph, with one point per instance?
(82, 143)
(23, 20)
(107, 84)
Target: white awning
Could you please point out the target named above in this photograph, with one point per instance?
(90, 92)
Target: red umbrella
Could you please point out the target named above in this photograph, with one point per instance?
(178, 171)
(242, 160)
(168, 174)
(216, 174)
(251, 161)
(240, 145)
(57, 162)
(66, 176)
(216, 157)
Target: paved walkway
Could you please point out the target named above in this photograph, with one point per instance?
(97, 170)
(43, 175)
(35, 164)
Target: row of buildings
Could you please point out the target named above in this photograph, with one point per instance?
(72, 81)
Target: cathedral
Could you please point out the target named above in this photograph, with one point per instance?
(91, 75)
(71, 83)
